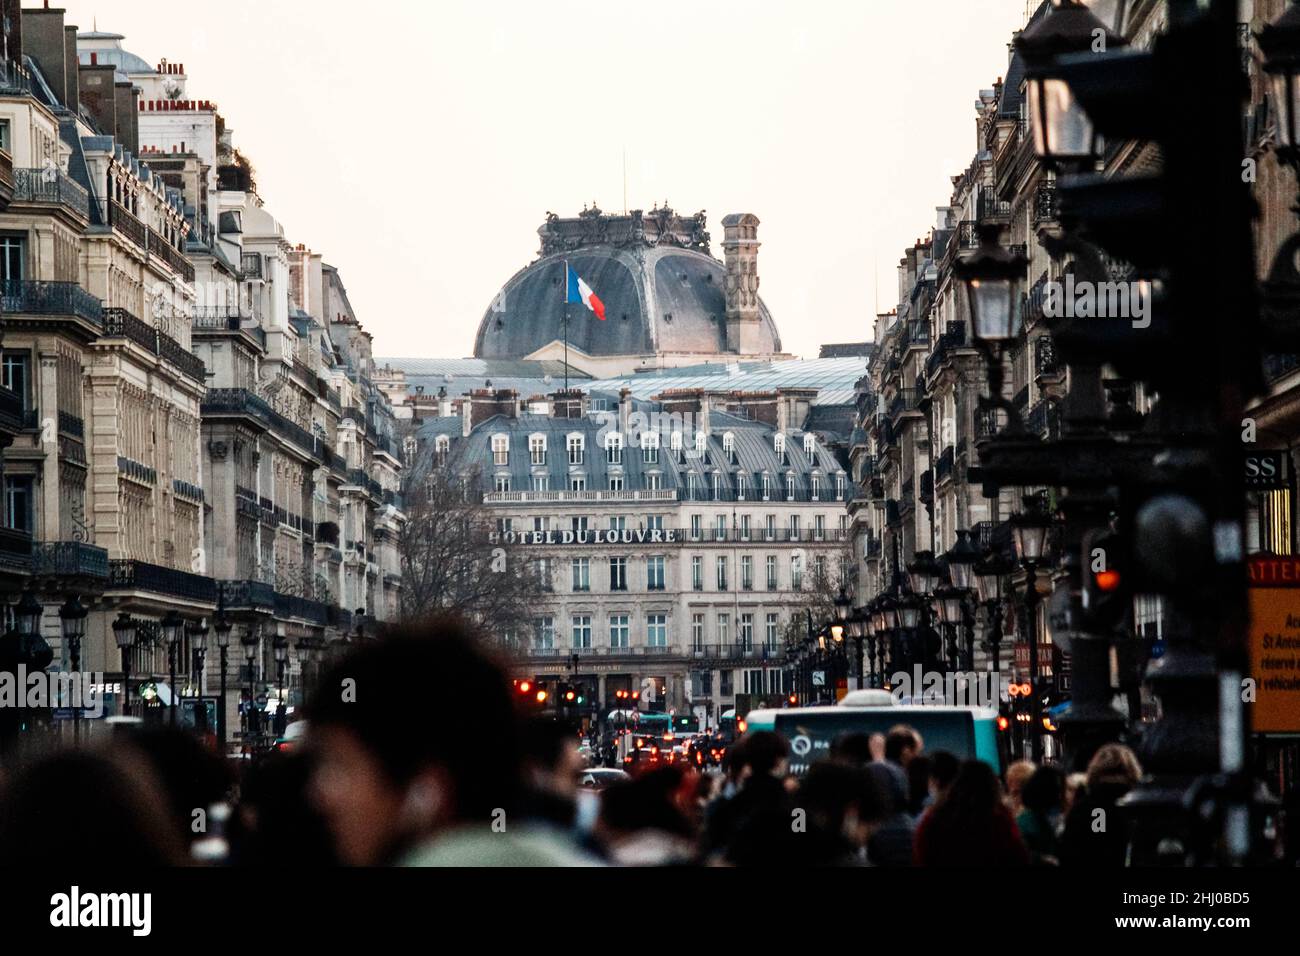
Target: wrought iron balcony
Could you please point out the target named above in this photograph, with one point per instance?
(12, 413)
(30, 297)
(991, 209)
(127, 575)
(240, 401)
(128, 225)
(1046, 362)
(119, 323)
(71, 559)
(1045, 205)
(944, 465)
(137, 471)
(247, 594)
(291, 606)
(1044, 420)
(968, 234)
(169, 254)
(51, 187)
(70, 424)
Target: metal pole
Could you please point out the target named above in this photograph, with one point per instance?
(1031, 635)
(221, 704)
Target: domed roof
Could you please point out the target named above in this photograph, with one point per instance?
(661, 289)
(107, 48)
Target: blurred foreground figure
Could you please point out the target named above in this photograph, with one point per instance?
(77, 806)
(970, 824)
(646, 821)
(1093, 834)
(419, 756)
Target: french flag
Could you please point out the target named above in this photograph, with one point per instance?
(579, 291)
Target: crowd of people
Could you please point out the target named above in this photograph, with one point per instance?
(448, 772)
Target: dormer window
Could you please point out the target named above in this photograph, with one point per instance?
(740, 486)
(650, 448)
(789, 486)
(441, 447)
(767, 486)
(778, 445)
(729, 446)
(839, 486)
(717, 486)
(614, 449)
(701, 442)
(815, 486)
(809, 446)
(537, 449)
(675, 445)
(577, 445)
(409, 447)
(500, 450)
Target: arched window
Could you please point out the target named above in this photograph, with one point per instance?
(650, 447)
(701, 442)
(809, 445)
(778, 444)
(576, 444)
(441, 446)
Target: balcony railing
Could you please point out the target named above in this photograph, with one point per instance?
(13, 417)
(53, 187)
(1044, 420)
(943, 467)
(15, 548)
(968, 234)
(119, 323)
(128, 225)
(70, 424)
(905, 400)
(953, 337)
(557, 497)
(1045, 359)
(240, 401)
(247, 594)
(991, 209)
(169, 254)
(70, 559)
(126, 575)
(1045, 208)
(291, 606)
(30, 297)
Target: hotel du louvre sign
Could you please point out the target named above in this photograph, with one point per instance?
(594, 536)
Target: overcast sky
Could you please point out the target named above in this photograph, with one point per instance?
(419, 145)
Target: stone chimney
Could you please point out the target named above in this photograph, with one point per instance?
(740, 253)
(444, 403)
(70, 81)
(46, 43)
(97, 85)
(128, 116)
(624, 412)
(13, 23)
(466, 417)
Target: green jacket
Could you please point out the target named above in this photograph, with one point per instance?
(478, 845)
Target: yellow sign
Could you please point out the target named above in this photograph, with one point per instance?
(1275, 645)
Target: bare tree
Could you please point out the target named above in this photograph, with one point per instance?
(822, 584)
(451, 562)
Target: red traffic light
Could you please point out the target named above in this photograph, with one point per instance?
(1107, 580)
(1003, 723)
(525, 687)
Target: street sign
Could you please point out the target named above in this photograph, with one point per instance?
(1275, 644)
(819, 678)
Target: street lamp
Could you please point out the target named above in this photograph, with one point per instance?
(993, 277)
(173, 626)
(252, 642)
(1029, 530)
(124, 635)
(72, 622)
(281, 650)
(198, 635)
(222, 628)
(1062, 130)
(27, 615)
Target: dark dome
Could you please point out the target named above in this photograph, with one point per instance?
(657, 299)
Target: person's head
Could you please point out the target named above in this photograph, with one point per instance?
(552, 763)
(276, 819)
(891, 784)
(396, 766)
(842, 799)
(975, 794)
(943, 771)
(852, 748)
(1114, 765)
(191, 776)
(902, 743)
(73, 803)
(1044, 791)
(650, 801)
(765, 754)
(1018, 775)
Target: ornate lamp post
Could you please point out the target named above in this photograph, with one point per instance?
(1029, 530)
(197, 631)
(925, 575)
(222, 628)
(988, 574)
(72, 622)
(1063, 133)
(961, 569)
(252, 642)
(172, 627)
(281, 649)
(124, 635)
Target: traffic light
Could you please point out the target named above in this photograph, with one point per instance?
(1107, 589)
